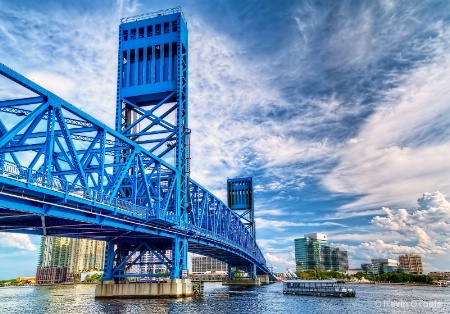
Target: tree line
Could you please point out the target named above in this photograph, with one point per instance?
(319, 274)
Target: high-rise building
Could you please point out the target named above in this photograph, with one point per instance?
(411, 262)
(75, 255)
(54, 251)
(308, 251)
(313, 252)
(86, 255)
(205, 264)
(343, 261)
(329, 257)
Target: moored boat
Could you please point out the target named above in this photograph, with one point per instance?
(332, 288)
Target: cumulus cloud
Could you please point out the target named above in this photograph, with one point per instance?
(424, 230)
(17, 241)
(280, 261)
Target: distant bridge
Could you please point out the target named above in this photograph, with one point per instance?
(64, 173)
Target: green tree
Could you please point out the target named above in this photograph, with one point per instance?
(359, 275)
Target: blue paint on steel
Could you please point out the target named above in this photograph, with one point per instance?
(64, 173)
(240, 199)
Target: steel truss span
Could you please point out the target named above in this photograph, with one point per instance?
(64, 173)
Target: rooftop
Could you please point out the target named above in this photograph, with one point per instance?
(152, 15)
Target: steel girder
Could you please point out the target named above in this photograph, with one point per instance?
(56, 162)
(152, 102)
(41, 142)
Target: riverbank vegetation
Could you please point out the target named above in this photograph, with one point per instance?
(93, 278)
(17, 282)
(383, 278)
(319, 274)
(401, 278)
(8, 282)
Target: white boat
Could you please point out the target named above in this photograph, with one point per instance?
(332, 288)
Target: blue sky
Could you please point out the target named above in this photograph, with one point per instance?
(339, 110)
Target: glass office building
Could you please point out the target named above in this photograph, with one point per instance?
(313, 252)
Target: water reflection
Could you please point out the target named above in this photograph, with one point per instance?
(223, 299)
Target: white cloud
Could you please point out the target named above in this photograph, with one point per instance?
(16, 241)
(357, 237)
(405, 141)
(423, 231)
(280, 262)
(269, 212)
(346, 214)
(241, 122)
(262, 223)
(56, 83)
(353, 141)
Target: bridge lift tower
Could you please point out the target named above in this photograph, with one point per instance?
(152, 110)
(240, 200)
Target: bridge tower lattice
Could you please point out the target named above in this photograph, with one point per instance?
(152, 111)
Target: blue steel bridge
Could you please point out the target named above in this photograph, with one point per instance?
(64, 173)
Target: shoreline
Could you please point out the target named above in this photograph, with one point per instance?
(393, 284)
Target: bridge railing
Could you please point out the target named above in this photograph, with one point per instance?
(210, 216)
(30, 176)
(36, 178)
(91, 153)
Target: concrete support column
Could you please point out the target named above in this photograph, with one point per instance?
(175, 288)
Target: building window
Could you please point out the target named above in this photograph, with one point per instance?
(166, 50)
(125, 35)
(166, 27)
(158, 29)
(141, 32)
(133, 34)
(174, 26)
(149, 31)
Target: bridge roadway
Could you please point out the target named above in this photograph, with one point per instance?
(59, 172)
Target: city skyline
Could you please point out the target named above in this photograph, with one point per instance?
(337, 110)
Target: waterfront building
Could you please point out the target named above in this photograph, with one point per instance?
(74, 255)
(86, 255)
(329, 257)
(343, 261)
(385, 261)
(385, 265)
(313, 252)
(440, 275)
(54, 251)
(382, 266)
(50, 275)
(208, 265)
(370, 269)
(411, 262)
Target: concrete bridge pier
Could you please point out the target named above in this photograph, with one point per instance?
(260, 280)
(172, 288)
(263, 279)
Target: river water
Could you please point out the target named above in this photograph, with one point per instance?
(225, 299)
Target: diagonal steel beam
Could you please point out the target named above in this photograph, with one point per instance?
(71, 147)
(27, 120)
(23, 101)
